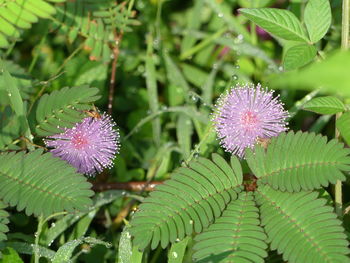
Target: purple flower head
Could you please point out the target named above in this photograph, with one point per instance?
(90, 145)
(246, 113)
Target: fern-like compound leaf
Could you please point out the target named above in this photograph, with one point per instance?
(63, 108)
(234, 237)
(42, 184)
(3, 221)
(301, 226)
(96, 21)
(295, 161)
(187, 203)
(17, 15)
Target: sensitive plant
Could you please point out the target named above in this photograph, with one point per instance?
(235, 182)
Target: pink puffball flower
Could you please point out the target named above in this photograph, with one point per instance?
(245, 114)
(90, 146)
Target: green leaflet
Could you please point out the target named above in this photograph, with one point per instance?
(236, 234)
(187, 203)
(301, 226)
(317, 18)
(74, 19)
(295, 161)
(298, 56)
(325, 105)
(42, 184)
(3, 221)
(279, 22)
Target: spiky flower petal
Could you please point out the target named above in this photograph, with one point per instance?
(245, 114)
(90, 146)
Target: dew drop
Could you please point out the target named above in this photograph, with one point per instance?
(193, 98)
(220, 15)
(191, 222)
(235, 77)
(9, 94)
(174, 255)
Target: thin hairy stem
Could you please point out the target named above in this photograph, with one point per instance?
(338, 195)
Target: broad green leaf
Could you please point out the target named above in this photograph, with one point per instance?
(184, 132)
(317, 18)
(64, 253)
(67, 221)
(331, 74)
(16, 101)
(298, 56)
(9, 255)
(343, 125)
(174, 74)
(325, 105)
(177, 251)
(28, 249)
(193, 23)
(279, 22)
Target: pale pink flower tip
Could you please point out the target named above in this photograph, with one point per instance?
(90, 145)
(246, 113)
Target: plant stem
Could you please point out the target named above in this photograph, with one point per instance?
(115, 52)
(345, 24)
(37, 236)
(41, 222)
(344, 45)
(338, 185)
(338, 199)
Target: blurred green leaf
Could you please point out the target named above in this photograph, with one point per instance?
(343, 125)
(184, 132)
(325, 105)
(151, 83)
(194, 74)
(331, 74)
(193, 23)
(223, 11)
(279, 22)
(317, 18)
(9, 255)
(58, 227)
(28, 249)
(174, 74)
(298, 56)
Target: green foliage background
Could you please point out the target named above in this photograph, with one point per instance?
(170, 60)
